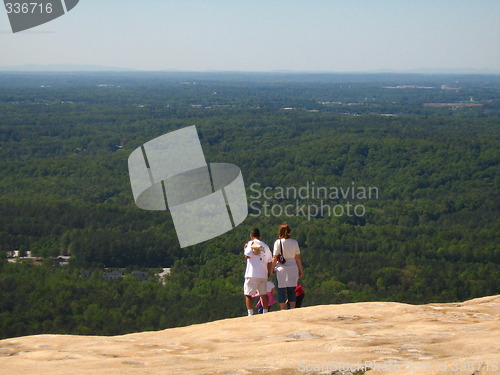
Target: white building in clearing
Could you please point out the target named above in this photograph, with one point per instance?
(164, 274)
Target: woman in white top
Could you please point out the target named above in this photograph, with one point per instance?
(289, 272)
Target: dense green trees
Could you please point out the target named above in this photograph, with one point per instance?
(429, 234)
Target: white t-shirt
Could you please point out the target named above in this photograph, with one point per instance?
(257, 264)
(290, 248)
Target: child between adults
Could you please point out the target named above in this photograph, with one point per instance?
(270, 291)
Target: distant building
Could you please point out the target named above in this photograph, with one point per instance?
(63, 260)
(140, 275)
(112, 275)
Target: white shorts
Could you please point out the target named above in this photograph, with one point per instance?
(255, 285)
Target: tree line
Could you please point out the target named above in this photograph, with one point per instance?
(430, 235)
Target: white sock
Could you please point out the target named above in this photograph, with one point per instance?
(250, 312)
(265, 311)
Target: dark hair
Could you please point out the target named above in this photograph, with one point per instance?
(255, 232)
(284, 231)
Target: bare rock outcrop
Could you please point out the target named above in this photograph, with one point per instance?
(371, 338)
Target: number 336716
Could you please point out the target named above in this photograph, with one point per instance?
(25, 8)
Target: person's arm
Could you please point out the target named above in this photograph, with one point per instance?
(273, 263)
(275, 259)
(299, 264)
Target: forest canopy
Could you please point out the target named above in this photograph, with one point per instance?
(421, 183)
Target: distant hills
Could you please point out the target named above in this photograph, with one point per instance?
(62, 68)
(101, 68)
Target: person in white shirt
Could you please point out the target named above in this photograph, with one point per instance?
(259, 259)
(289, 272)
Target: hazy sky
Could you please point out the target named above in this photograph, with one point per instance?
(265, 35)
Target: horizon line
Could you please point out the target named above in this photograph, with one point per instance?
(76, 68)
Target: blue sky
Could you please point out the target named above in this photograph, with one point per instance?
(258, 35)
